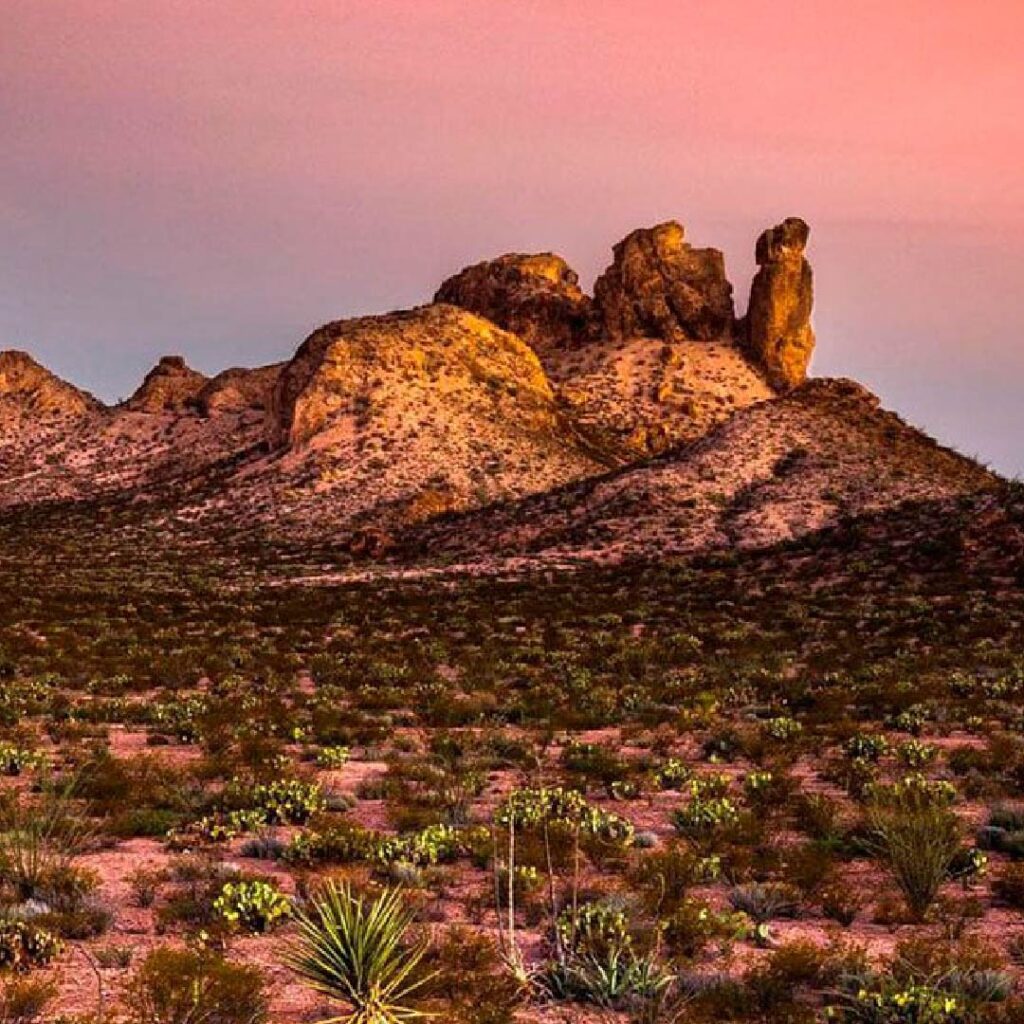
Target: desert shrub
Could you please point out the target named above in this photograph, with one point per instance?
(764, 901)
(922, 956)
(617, 980)
(597, 961)
(703, 816)
(436, 844)
(593, 929)
(1008, 886)
(781, 984)
(38, 839)
(197, 883)
(918, 841)
(867, 747)
(14, 760)
(818, 816)
(176, 986)
(280, 802)
(25, 999)
(592, 762)
(673, 774)
(144, 884)
(471, 979)
(915, 754)
(809, 867)
(665, 876)
(334, 843)
(782, 729)
(886, 1001)
(332, 757)
(526, 881)
(693, 925)
(840, 902)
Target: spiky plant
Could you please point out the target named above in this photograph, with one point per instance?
(40, 838)
(351, 949)
(919, 844)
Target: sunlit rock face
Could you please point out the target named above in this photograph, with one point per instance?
(660, 286)
(778, 323)
(537, 297)
(170, 386)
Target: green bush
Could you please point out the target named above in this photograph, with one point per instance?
(918, 841)
(176, 986)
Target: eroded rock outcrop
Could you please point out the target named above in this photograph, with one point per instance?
(239, 390)
(351, 369)
(383, 421)
(27, 388)
(171, 386)
(537, 297)
(778, 322)
(660, 286)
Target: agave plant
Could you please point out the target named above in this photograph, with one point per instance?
(351, 949)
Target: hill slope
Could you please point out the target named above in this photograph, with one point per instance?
(775, 471)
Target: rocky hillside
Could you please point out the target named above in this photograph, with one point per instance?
(515, 414)
(779, 470)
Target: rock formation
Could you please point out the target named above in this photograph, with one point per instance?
(660, 286)
(537, 297)
(26, 388)
(778, 322)
(239, 390)
(389, 419)
(342, 371)
(171, 386)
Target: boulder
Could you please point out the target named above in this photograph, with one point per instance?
(660, 286)
(536, 297)
(778, 323)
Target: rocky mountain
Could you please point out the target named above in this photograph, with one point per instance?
(515, 415)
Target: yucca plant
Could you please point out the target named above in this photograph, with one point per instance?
(352, 949)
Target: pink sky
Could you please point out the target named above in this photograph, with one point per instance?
(217, 177)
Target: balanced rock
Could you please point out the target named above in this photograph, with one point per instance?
(171, 386)
(778, 321)
(660, 286)
(537, 297)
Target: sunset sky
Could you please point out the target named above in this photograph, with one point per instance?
(217, 177)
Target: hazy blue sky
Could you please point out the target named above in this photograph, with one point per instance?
(216, 179)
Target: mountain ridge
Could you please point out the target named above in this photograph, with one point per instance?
(648, 407)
